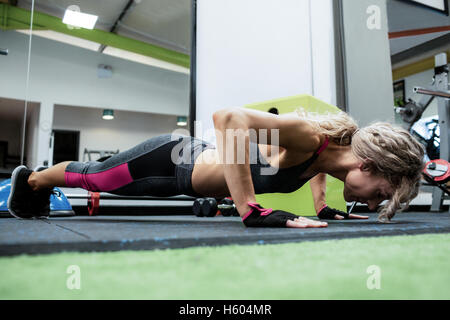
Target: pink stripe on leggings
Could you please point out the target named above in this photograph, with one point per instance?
(101, 181)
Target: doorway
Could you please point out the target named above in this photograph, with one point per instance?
(66, 145)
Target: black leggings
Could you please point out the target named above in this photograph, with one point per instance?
(161, 166)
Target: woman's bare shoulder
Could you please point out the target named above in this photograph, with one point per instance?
(294, 132)
(299, 133)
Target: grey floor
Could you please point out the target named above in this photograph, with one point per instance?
(113, 233)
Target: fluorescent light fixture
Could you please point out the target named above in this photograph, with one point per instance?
(440, 5)
(79, 19)
(108, 114)
(181, 121)
(131, 56)
(64, 38)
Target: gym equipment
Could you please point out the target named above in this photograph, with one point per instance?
(103, 203)
(433, 93)
(208, 207)
(437, 173)
(441, 85)
(59, 204)
(412, 112)
(197, 207)
(427, 132)
(103, 154)
(351, 207)
(93, 204)
(301, 200)
(227, 208)
(438, 170)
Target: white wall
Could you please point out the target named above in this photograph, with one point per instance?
(67, 75)
(255, 50)
(369, 76)
(323, 50)
(31, 138)
(125, 131)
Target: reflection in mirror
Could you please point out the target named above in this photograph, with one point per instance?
(77, 131)
(17, 115)
(132, 66)
(11, 130)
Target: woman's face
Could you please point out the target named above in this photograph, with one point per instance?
(363, 186)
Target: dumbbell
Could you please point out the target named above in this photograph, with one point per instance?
(227, 207)
(207, 207)
(197, 207)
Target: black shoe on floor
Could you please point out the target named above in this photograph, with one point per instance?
(42, 197)
(41, 202)
(20, 198)
(23, 202)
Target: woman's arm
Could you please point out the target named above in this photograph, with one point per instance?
(237, 176)
(293, 132)
(318, 186)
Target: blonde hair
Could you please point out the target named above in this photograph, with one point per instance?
(388, 150)
(337, 126)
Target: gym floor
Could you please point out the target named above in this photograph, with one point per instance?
(217, 258)
(114, 233)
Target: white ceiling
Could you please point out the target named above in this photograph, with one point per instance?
(166, 23)
(401, 44)
(403, 15)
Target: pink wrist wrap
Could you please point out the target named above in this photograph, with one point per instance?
(324, 206)
(255, 206)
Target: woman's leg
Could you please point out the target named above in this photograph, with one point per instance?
(49, 178)
(146, 169)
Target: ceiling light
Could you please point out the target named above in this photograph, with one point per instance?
(63, 38)
(119, 53)
(108, 114)
(181, 121)
(79, 19)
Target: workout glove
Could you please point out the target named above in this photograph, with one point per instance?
(260, 217)
(328, 213)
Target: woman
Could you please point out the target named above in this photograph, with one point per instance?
(376, 163)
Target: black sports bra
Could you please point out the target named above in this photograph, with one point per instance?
(285, 180)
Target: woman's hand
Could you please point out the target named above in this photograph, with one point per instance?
(318, 188)
(302, 222)
(328, 213)
(260, 217)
